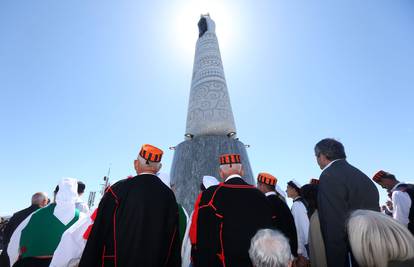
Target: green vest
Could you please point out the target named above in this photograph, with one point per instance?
(182, 222)
(42, 234)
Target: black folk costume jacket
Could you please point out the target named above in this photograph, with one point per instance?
(284, 221)
(228, 216)
(136, 225)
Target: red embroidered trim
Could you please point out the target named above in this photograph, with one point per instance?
(240, 186)
(103, 256)
(114, 219)
(169, 250)
(193, 227)
(87, 232)
(93, 216)
(221, 255)
(219, 215)
(114, 222)
(210, 203)
(109, 190)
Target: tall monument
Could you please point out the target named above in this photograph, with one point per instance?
(210, 128)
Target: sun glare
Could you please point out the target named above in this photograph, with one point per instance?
(187, 16)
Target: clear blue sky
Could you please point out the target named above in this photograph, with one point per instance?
(84, 83)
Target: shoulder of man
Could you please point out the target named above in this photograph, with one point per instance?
(276, 201)
(208, 194)
(24, 212)
(336, 166)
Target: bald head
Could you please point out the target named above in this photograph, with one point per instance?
(39, 199)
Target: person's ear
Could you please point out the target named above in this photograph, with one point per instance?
(242, 172)
(221, 173)
(136, 165)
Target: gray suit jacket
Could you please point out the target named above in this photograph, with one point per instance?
(342, 189)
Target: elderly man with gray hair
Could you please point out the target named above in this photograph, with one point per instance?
(39, 200)
(270, 248)
(342, 189)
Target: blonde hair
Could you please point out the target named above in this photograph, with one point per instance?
(376, 239)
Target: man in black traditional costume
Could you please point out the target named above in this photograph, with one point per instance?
(137, 220)
(284, 221)
(228, 215)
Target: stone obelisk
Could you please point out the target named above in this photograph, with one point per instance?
(210, 129)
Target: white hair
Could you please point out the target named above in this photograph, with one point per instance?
(146, 164)
(376, 239)
(238, 167)
(270, 248)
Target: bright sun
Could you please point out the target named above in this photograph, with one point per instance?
(187, 16)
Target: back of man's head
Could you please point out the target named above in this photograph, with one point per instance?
(264, 188)
(39, 199)
(331, 148)
(143, 165)
(81, 187)
(270, 248)
(230, 169)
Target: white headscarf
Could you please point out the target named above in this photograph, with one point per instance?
(209, 181)
(298, 185)
(65, 200)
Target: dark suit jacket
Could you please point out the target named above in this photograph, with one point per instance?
(14, 221)
(342, 189)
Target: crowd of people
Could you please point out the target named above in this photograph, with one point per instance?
(334, 221)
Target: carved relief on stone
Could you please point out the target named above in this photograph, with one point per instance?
(209, 111)
(206, 74)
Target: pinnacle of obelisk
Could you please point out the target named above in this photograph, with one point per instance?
(209, 108)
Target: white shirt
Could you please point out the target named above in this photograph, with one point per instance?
(270, 193)
(232, 176)
(330, 163)
(300, 216)
(186, 246)
(81, 206)
(71, 244)
(401, 202)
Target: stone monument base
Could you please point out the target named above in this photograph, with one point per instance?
(198, 157)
